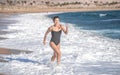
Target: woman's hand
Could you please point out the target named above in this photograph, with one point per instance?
(49, 30)
(67, 29)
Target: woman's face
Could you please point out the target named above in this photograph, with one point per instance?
(56, 21)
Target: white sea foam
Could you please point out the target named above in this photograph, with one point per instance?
(81, 49)
(111, 20)
(101, 15)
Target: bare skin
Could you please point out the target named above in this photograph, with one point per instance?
(56, 48)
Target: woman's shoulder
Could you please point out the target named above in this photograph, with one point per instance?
(51, 27)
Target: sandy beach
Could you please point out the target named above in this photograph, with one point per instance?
(57, 10)
(58, 6)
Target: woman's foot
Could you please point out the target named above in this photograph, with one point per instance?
(58, 63)
(51, 64)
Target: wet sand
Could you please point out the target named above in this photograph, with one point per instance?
(2, 59)
(12, 51)
(3, 38)
(2, 74)
(7, 51)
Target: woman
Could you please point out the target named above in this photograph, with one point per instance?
(56, 31)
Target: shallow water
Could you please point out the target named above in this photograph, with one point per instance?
(83, 52)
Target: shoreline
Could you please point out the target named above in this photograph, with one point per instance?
(47, 10)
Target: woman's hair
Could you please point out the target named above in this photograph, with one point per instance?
(55, 17)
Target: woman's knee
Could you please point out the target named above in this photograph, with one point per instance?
(59, 53)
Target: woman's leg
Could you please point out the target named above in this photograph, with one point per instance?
(60, 53)
(56, 50)
(53, 57)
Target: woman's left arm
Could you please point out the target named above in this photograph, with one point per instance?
(64, 30)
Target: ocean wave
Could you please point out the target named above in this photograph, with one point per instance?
(110, 20)
(107, 30)
(101, 15)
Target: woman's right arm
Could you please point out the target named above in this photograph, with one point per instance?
(48, 30)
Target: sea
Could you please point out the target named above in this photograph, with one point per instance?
(91, 47)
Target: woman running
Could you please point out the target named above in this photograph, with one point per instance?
(56, 31)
